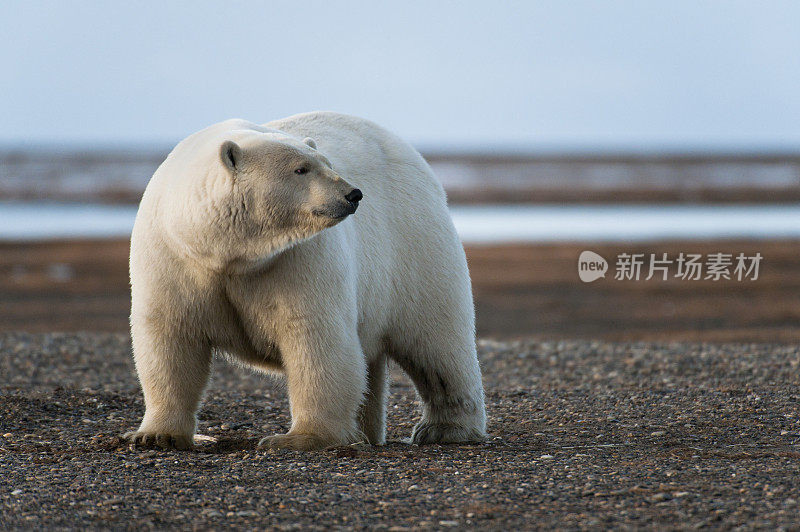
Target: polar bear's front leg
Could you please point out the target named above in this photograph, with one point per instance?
(326, 373)
(173, 371)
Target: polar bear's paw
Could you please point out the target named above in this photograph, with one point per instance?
(296, 441)
(163, 440)
(427, 432)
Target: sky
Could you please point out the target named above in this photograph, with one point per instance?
(458, 75)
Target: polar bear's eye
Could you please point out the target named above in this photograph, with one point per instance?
(302, 170)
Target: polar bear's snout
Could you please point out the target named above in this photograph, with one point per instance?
(342, 208)
(346, 209)
(354, 196)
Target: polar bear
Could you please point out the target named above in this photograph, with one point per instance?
(253, 241)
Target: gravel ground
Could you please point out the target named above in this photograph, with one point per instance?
(583, 435)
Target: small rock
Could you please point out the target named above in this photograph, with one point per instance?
(448, 523)
(17, 492)
(546, 457)
(658, 433)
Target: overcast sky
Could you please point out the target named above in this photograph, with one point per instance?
(595, 74)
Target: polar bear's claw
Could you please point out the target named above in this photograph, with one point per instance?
(425, 433)
(162, 440)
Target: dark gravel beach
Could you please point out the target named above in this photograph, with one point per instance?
(583, 435)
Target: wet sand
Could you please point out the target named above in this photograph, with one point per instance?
(520, 291)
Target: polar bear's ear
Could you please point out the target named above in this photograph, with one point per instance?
(231, 155)
(311, 143)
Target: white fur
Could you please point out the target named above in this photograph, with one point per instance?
(228, 254)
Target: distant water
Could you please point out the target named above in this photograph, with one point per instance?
(475, 224)
(46, 221)
(624, 223)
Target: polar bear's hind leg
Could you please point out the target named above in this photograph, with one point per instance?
(448, 380)
(372, 415)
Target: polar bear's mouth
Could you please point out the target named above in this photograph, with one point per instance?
(336, 212)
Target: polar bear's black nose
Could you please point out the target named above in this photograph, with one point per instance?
(354, 196)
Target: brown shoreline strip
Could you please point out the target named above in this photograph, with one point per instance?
(520, 290)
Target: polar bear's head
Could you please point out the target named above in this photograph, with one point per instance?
(284, 185)
(260, 194)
